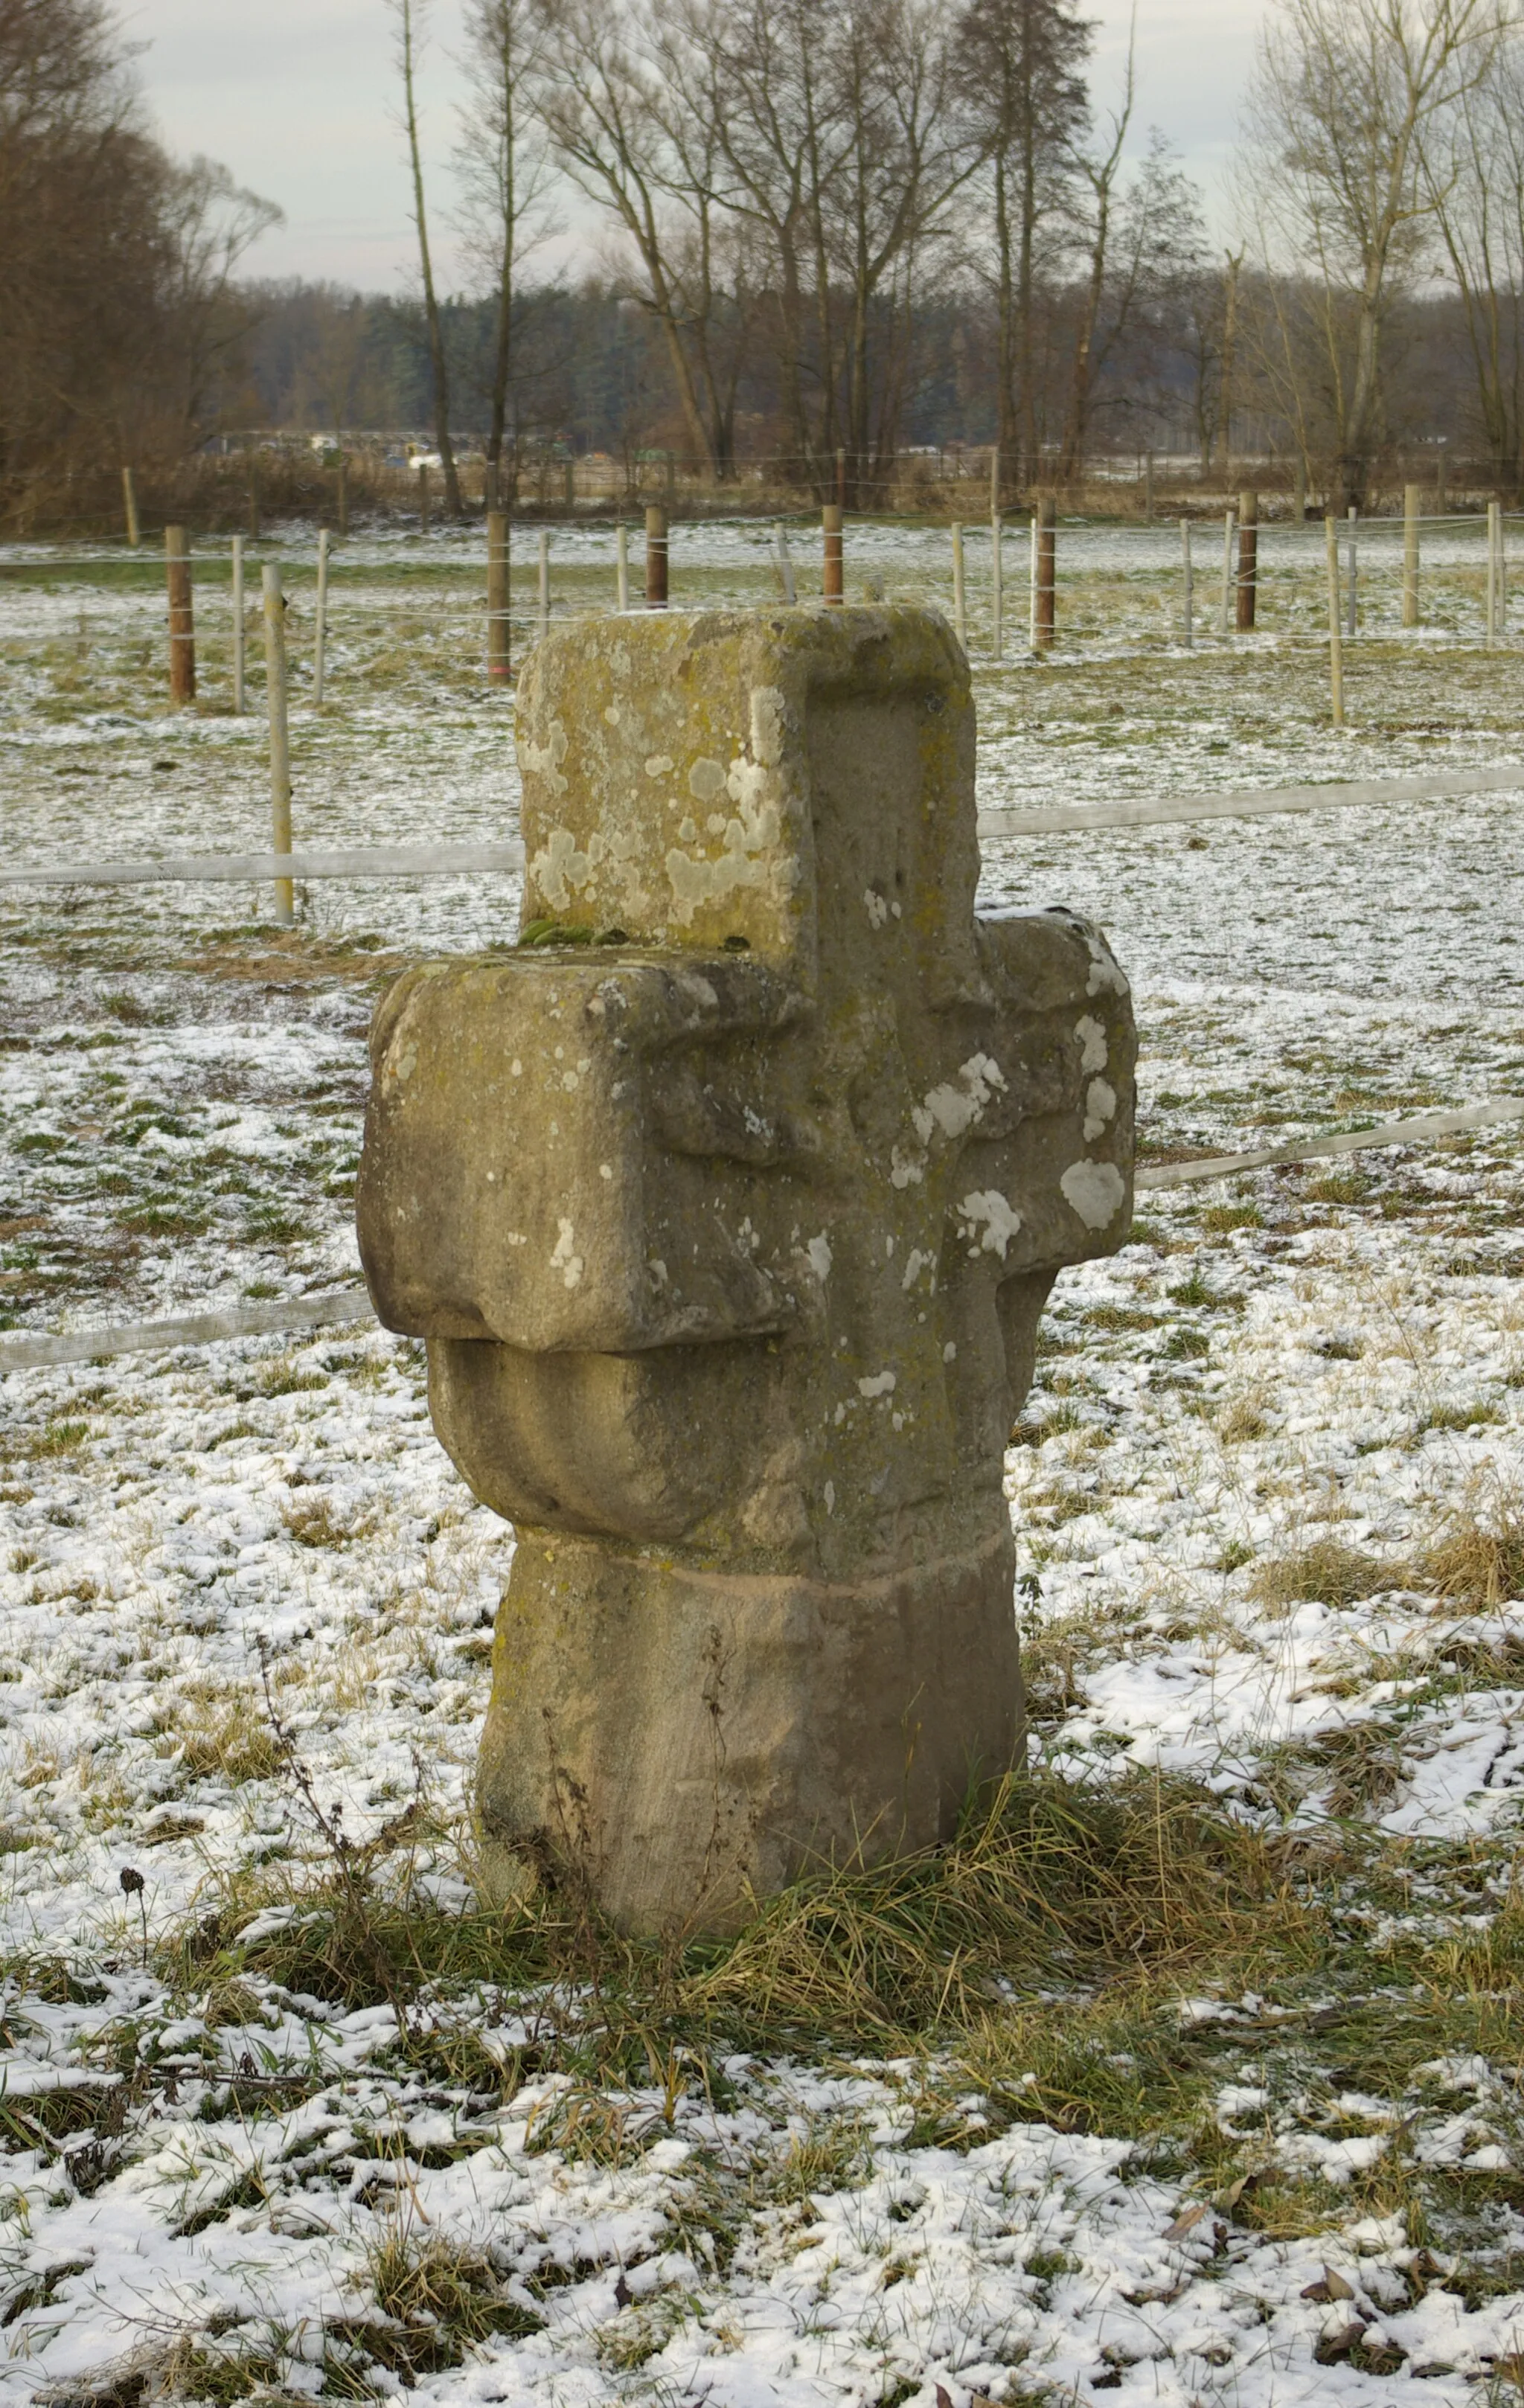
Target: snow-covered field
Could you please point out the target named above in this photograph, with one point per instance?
(1269, 1493)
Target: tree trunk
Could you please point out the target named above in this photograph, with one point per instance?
(437, 361)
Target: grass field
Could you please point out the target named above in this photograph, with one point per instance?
(1191, 2074)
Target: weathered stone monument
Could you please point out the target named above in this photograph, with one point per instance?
(727, 1206)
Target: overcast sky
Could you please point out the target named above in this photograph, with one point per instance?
(297, 98)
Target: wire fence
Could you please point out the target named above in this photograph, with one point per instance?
(362, 613)
(442, 595)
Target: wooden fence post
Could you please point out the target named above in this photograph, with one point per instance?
(423, 498)
(1492, 515)
(253, 495)
(129, 499)
(671, 483)
(342, 497)
(1336, 664)
(275, 687)
(1354, 619)
(622, 567)
(181, 618)
(1046, 581)
(1225, 613)
(544, 582)
(841, 479)
(319, 620)
(1188, 631)
(499, 645)
(960, 620)
(1148, 487)
(997, 584)
(569, 481)
(786, 564)
(1410, 556)
(995, 482)
(1441, 500)
(1248, 560)
(656, 554)
(831, 585)
(237, 627)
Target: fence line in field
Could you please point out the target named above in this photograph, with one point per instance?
(454, 860)
(1245, 803)
(1426, 1130)
(1247, 571)
(291, 1313)
(334, 1307)
(20, 561)
(237, 869)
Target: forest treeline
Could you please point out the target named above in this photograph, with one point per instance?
(819, 233)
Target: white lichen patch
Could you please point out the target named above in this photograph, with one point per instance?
(882, 1383)
(706, 779)
(990, 1219)
(559, 866)
(954, 1110)
(564, 1257)
(545, 760)
(1100, 1109)
(1093, 1045)
(769, 717)
(749, 861)
(1095, 1191)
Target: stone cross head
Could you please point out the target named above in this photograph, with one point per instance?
(727, 1205)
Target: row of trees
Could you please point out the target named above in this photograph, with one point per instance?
(118, 313)
(823, 227)
(787, 185)
(791, 190)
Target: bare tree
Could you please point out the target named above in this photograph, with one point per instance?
(504, 171)
(1209, 343)
(410, 23)
(1021, 66)
(212, 223)
(1141, 235)
(1472, 166)
(913, 148)
(1233, 270)
(784, 139)
(1343, 94)
(606, 114)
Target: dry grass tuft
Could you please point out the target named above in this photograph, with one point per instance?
(236, 1745)
(1241, 1419)
(1325, 1570)
(1047, 1883)
(437, 2298)
(1477, 1557)
(312, 1523)
(1044, 1879)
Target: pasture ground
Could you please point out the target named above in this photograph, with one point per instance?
(1191, 2074)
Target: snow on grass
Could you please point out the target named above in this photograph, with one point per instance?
(295, 2117)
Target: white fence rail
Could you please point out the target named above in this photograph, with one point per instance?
(454, 860)
(333, 1307)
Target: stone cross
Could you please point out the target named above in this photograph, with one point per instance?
(728, 1204)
